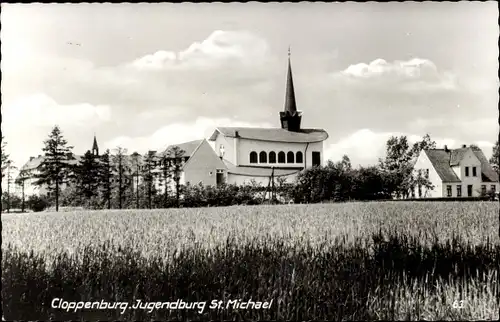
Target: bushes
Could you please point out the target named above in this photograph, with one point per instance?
(223, 195)
(37, 203)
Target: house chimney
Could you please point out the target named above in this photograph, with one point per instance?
(446, 148)
(464, 146)
(31, 158)
(39, 156)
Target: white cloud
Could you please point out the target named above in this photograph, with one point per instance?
(412, 75)
(174, 134)
(365, 147)
(27, 121)
(218, 48)
(41, 110)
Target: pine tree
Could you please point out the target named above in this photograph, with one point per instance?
(4, 157)
(149, 175)
(105, 176)
(120, 163)
(165, 176)
(176, 156)
(55, 169)
(136, 173)
(87, 176)
(21, 181)
(10, 180)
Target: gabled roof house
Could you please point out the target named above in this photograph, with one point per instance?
(463, 172)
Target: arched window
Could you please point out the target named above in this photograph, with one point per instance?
(263, 157)
(290, 156)
(281, 157)
(272, 157)
(253, 157)
(298, 157)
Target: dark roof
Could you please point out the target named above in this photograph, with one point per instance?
(187, 147)
(37, 161)
(457, 155)
(33, 164)
(443, 160)
(440, 159)
(487, 172)
(273, 134)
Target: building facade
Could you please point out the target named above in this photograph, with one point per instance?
(243, 154)
(461, 173)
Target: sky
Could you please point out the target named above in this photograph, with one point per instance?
(143, 76)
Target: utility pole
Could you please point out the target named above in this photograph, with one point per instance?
(272, 185)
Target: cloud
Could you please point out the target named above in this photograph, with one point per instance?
(413, 75)
(469, 128)
(365, 147)
(26, 123)
(175, 133)
(41, 110)
(219, 48)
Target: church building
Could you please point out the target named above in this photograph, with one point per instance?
(255, 153)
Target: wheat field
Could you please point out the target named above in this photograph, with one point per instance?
(412, 260)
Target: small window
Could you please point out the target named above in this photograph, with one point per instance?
(210, 173)
(448, 190)
(298, 157)
(493, 188)
(262, 157)
(281, 157)
(466, 171)
(474, 172)
(459, 191)
(469, 190)
(290, 156)
(272, 157)
(427, 173)
(253, 157)
(483, 189)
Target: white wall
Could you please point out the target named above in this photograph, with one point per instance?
(424, 163)
(246, 146)
(228, 147)
(470, 160)
(264, 181)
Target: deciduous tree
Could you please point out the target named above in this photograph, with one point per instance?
(495, 158)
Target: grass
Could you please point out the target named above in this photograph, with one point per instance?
(353, 261)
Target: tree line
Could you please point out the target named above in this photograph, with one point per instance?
(117, 180)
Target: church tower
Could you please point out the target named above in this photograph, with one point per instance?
(95, 147)
(290, 117)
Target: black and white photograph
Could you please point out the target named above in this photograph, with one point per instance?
(250, 161)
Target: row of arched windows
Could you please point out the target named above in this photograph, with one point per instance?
(289, 157)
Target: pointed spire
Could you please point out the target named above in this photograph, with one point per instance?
(95, 147)
(290, 105)
(290, 118)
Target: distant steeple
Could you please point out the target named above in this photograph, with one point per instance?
(95, 147)
(290, 117)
